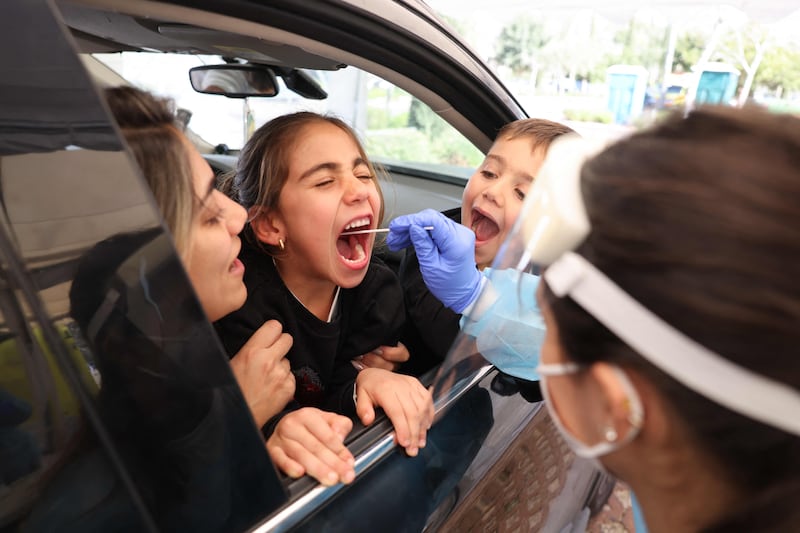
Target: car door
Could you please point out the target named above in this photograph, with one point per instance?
(119, 409)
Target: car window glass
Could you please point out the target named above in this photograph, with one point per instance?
(117, 405)
(394, 126)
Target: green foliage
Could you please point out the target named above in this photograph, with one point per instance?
(739, 46)
(451, 148)
(379, 91)
(518, 43)
(446, 146)
(423, 118)
(378, 118)
(745, 48)
(597, 71)
(783, 106)
(688, 49)
(404, 144)
(780, 69)
(643, 44)
(410, 144)
(456, 25)
(580, 48)
(414, 133)
(589, 115)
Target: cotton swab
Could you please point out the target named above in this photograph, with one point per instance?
(377, 230)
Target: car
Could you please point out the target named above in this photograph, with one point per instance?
(671, 97)
(674, 97)
(76, 449)
(652, 98)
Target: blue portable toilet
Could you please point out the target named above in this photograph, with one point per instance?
(716, 83)
(626, 90)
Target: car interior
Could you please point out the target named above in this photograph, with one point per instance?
(409, 186)
(99, 32)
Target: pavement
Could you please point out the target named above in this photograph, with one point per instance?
(616, 515)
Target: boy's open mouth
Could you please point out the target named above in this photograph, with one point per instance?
(352, 248)
(484, 227)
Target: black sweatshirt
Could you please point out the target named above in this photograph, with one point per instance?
(367, 316)
(431, 327)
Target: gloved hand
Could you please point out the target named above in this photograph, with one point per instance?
(446, 255)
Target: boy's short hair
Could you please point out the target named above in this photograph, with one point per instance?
(541, 131)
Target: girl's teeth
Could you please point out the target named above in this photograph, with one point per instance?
(360, 254)
(357, 224)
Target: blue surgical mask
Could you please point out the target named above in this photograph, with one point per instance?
(506, 322)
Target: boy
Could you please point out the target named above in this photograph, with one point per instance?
(491, 203)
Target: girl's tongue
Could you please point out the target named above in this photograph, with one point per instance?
(351, 247)
(484, 227)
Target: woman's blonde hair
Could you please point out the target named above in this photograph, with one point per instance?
(148, 125)
(263, 166)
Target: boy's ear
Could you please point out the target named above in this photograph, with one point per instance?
(267, 226)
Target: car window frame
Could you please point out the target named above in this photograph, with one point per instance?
(304, 500)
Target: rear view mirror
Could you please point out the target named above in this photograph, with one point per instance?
(234, 81)
(300, 82)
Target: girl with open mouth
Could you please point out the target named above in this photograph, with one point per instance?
(307, 185)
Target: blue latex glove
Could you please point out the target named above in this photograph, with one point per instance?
(446, 255)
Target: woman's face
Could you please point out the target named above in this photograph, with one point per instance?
(329, 190)
(212, 263)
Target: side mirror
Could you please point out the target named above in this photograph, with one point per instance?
(234, 81)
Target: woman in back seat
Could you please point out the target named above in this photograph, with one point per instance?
(206, 225)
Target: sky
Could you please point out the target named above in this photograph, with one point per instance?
(767, 11)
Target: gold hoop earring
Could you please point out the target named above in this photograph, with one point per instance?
(282, 245)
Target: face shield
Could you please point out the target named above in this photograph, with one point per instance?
(504, 327)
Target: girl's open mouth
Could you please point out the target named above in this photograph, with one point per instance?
(353, 248)
(484, 227)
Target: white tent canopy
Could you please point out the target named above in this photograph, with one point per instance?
(762, 11)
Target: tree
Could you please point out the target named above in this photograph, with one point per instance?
(643, 44)
(580, 49)
(780, 70)
(423, 118)
(518, 44)
(746, 48)
(688, 49)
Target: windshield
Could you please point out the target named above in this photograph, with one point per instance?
(216, 119)
(392, 124)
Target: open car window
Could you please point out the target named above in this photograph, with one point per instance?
(396, 127)
(154, 411)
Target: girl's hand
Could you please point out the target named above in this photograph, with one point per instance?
(263, 373)
(385, 357)
(311, 441)
(404, 400)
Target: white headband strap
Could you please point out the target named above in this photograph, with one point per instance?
(700, 369)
